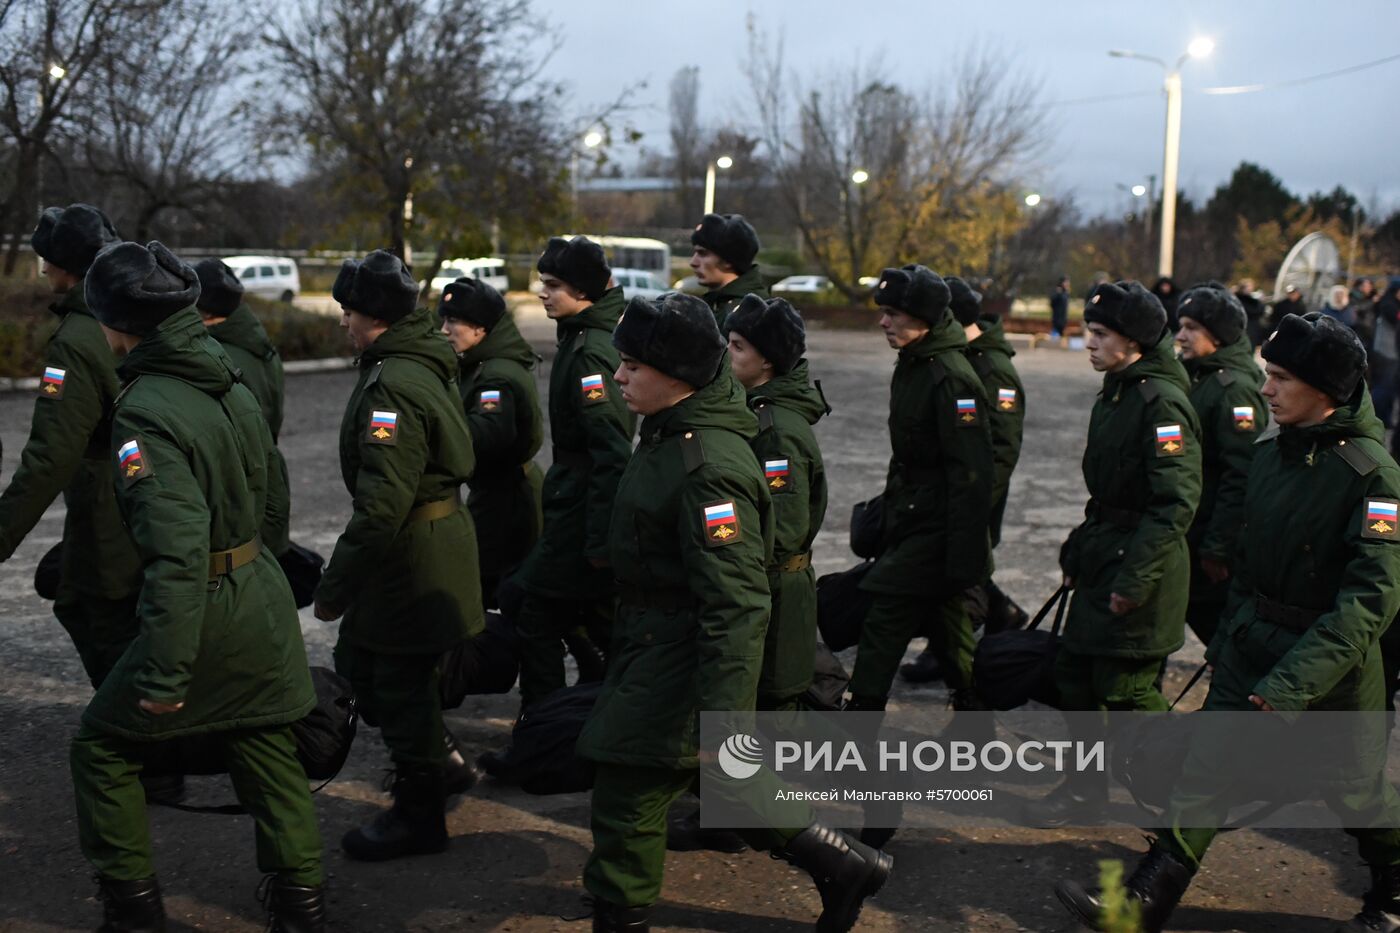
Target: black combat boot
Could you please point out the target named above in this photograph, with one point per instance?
(846, 872)
(592, 663)
(1156, 884)
(612, 918)
(293, 908)
(922, 670)
(414, 825)
(1080, 800)
(130, 906)
(1380, 908)
(459, 774)
(685, 834)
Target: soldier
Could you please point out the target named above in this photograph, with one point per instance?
(1225, 380)
(723, 261)
(403, 572)
(1322, 494)
(502, 406)
(220, 649)
(1128, 559)
(938, 493)
(691, 542)
(67, 452)
(241, 334)
(568, 585)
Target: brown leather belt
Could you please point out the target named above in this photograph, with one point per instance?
(1292, 618)
(222, 563)
(1119, 518)
(795, 564)
(432, 511)
(674, 598)
(573, 459)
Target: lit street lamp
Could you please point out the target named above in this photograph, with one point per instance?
(723, 161)
(57, 71)
(1200, 47)
(1032, 199)
(860, 176)
(591, 140)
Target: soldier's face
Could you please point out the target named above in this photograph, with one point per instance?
(901, 329)
(1292, 401)
(747, 364)
(462, 335)
(60, 280)
(1109, 351)
(1194, 341)
(362, 329)
(711, 271)
(647, 390)
(560, 298)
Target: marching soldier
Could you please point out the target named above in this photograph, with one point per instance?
(691, 543)
(938, 493)
(1317, 581)
(219, 649)
(568, 584)
(67, 453)
(1225, 380)
(723, 262)
(1128, 560)
(404, 571)
(502, 406)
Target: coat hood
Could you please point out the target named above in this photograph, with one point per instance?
(242, 329)
(181, 348)
(1357, 418)
(794, 391)
(993, 336)
(602, 315)
(1158, 362)
(414, 337)
(749, 281)
(502, 342)
(719, 405)
(1237, 356)
(944, 336)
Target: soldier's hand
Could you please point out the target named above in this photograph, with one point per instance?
(1261, 703)
(151, 706)
(1217, 571)
(1121, 605)
(325, 614)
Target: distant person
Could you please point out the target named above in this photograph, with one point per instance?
(1363, 302)
(1338, 306)
(1385, 355)
(1059, 308)
(1291, 303)
(1166, 291)
(1255, 312)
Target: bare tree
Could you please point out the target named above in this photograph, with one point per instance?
(686, 137)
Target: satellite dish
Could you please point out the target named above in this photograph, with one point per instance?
(1313, 266)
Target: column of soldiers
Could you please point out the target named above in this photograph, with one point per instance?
(678, 572)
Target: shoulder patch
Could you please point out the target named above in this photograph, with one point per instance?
(1356, 458)
(966, 412)
(1008, 399)
(1382, 519)
(1170, 440)
(692, 451)
(765, 416)
(1243, 417)
(1149, 390)
(383, 427)
(51, 383)
(374, 374)
(1224, 377)
(721, 523)
(489, 400)
(131, 462)
(594, 389)
(777, 474)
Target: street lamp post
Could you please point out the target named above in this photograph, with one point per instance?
(1200, 47)
(591, 140)
(723, 161)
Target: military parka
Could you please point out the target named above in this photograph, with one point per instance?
(722, 300)
(990, 354)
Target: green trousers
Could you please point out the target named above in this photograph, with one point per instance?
(628, 817)
(100, 628)
(789, 648)
(267, 777)
(1095, 682)
(399, 695)
(889, 626)
(543, 622)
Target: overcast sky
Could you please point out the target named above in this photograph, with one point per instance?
(1343, 130)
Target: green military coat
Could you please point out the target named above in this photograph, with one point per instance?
(406, 586)
(1142, 465)
(194, 468)
(723, 299)
(1232, 413)
(942, 475)
(497, 386)
(260, 369)
(691, 538)
(591, 430)
(787, 407)
(990, 355)
(67, 452)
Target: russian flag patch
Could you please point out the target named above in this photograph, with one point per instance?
(1244, 417)
(383, 427)
(51, 384)
(967, 412)
(131, 462)
(1169, 440)
(1007, 399)
(721, 523)
(776, 472)
(593, 389)
(490, 399)
(1382, 519)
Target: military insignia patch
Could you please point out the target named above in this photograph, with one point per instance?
(776, 472)
(967, 412)
(1244, 417)
(131, 462)
(1382, 519)
(1169, 440)
(51, 385)
(490, 399)
(383, 427)
(721, 523)
(1008, 400)
(593, 388)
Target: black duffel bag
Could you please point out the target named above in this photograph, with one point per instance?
(488, 663)
(829, 682)
(1013, 667)
(842, 606)
(49, 572)
(868, 528)
(302, 567)
(541, 758)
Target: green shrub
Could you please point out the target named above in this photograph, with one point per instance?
(298, 334)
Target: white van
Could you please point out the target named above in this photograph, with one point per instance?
(489, 269)
(274, 277)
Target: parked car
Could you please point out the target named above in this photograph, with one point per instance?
(639, 283)
(274, 277)
(489, 269)
(802, 284)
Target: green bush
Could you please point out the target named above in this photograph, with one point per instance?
(298, 334)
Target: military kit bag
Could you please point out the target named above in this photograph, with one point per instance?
(302, 567)
(1011, 668)
(829, 682)
(488, 663)
(541, 758)
(868, 528)
(842, 606)
(47, 574)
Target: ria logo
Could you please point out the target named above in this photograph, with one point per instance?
(740, 756)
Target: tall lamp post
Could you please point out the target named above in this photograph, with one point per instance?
(591, 140)
(723, 161)
(1200, 47)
